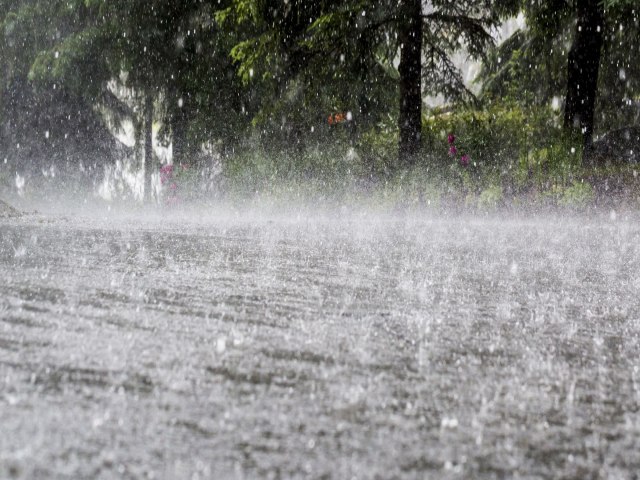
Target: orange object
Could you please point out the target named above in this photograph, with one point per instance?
(337, 118)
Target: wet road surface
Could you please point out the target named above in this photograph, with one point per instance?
(366, 347)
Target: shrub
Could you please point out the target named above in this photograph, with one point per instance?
(490, 197)
(508, 144)
(579, 194)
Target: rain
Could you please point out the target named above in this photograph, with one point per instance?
(311, 240)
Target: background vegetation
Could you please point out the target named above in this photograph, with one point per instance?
(326, 98)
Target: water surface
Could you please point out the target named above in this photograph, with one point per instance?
(367, 347)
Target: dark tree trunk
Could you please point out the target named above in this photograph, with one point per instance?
(582, 70)
(179, 137)
(410, 119)
(148, 147)
(179, 122)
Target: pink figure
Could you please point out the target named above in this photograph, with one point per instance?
(167, 181)
(464, 160)
(451, 138)
(166, 173)
(453, 150)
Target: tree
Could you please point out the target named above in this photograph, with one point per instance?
(328, 39)
(533, 66)
(410, 69)
(148, 145)
(582, 69)
(170, 58)
(296, 79)
(45, 125)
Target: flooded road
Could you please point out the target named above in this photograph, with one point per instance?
(367, 347)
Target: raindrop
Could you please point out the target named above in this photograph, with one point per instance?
(449, 423)
(221, 344)
(20, 181)
(514, 268)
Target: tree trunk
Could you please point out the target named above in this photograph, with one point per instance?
(3, 108)
(148, 147)
(582, 71)
(410, 69)
(178, 122)
(179, 139)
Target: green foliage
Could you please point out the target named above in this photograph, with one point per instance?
(490, 198)
(530, 67)
(578, 194)
(77, 63)
(313, 58)
(618, 3)
(257, 79)
(512, 148)
(49, 122)
(496, 137)
(558, 163)
(378, 147)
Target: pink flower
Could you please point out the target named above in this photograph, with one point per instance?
(464, 160)
(166, 173)
(453, 150)
(451, 138)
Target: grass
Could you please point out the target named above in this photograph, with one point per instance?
(340, 174)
